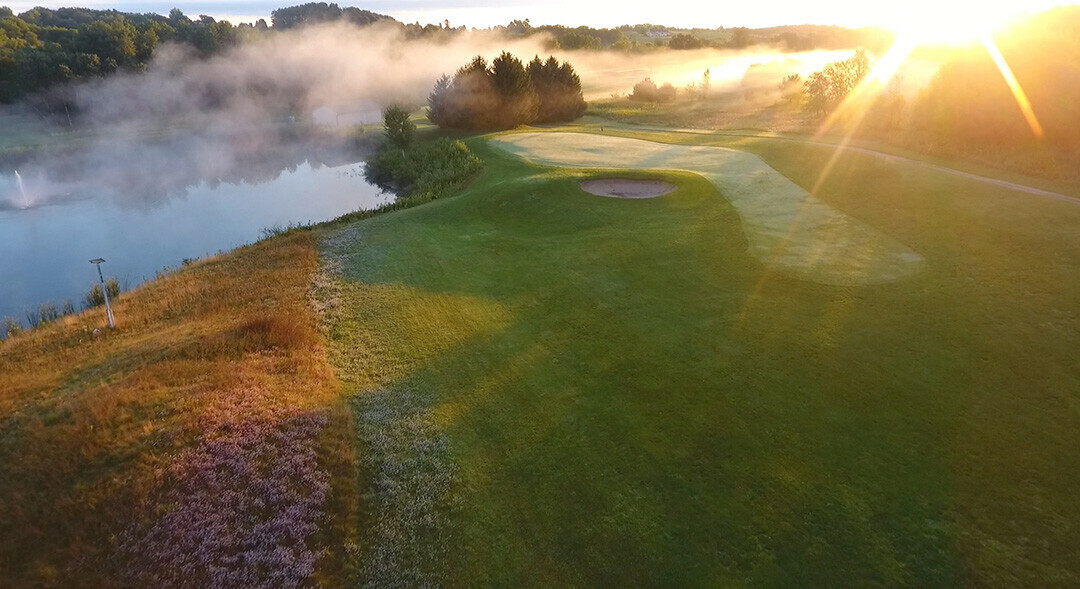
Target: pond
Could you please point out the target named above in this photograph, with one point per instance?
(58, 214)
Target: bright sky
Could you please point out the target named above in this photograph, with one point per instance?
(677, 13)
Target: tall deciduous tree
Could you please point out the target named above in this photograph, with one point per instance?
(111, 40)
(826, 89)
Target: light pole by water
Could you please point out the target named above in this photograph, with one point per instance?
(105, 291)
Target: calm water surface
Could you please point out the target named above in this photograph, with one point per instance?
(50, 228)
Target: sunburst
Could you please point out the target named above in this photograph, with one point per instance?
(949, 29)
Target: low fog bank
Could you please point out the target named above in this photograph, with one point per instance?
(241, 116)
(606, 74)
(278, 101)
(345, 68)
(139, 172)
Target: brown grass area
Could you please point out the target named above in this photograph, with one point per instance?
(86, 421)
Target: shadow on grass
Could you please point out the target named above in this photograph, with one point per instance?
(660, 409)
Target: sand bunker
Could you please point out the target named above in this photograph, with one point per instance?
(787, 228)
(626, 188)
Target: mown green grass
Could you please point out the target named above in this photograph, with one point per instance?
(1041, 164)
(737, 137)
(630, 399)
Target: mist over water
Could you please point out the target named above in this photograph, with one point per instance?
(198, 154)
(44, 249)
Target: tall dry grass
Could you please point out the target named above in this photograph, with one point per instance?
(91, 426)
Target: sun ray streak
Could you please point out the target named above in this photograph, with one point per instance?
(879, 76)
(858, 100)
(861, 98)
(1014, 85)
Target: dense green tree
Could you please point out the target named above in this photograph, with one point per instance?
(666, 93)
(398, 125)
(622, 43)
(439, 102)
(177, 18)
(684, 41)
(791, 89)
(18, 33)
(148, 38)
(110, 40)
(66, 38)
(43, 47)
(519, 28)
(571, 40)
(210, 36)
(305, 14)
(506, 94)
(471, 101)
(477, 103)
(42, 67)
(321, 12)
(360, 17)
(645, 91)
(518, 102)
(740, 37)
(559, 90)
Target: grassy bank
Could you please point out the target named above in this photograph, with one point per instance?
(121, 453)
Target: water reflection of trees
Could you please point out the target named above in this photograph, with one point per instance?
(149, 172)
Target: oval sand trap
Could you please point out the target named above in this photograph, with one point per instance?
(626, 188)
(787, 228)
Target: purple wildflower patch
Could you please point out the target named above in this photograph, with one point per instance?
(240, 507)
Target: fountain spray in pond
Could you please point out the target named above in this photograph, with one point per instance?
(22, 190)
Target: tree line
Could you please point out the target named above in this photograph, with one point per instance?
(506, 94)
(625, 38)
(43, 48)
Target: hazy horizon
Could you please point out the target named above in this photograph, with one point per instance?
(487, 13)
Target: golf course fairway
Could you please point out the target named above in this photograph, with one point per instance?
(552, 388)
(787, 227)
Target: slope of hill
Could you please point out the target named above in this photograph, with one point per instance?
(530, 385)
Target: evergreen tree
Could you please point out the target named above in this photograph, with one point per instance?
(518, 102)
(399, 128)
(506, 94)
(438, 102)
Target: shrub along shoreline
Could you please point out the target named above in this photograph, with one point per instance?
(417, 174)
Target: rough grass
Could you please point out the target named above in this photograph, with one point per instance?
(404, 468)
(183, 448)
(630, 398)
(723, 109)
